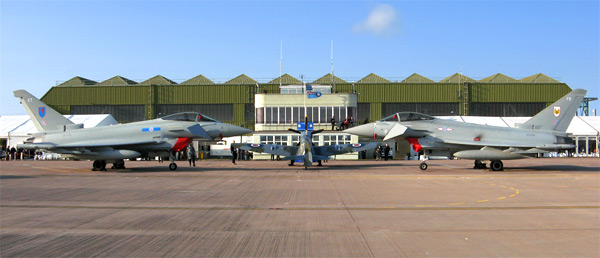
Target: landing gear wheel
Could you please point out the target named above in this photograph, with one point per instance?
(479, 164)
(319, 165)
(423, 166)
(172, 166)
(496, 165)
(120, 164)
(291, 163)
(99, 165)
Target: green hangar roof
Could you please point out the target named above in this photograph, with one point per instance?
(78, 81)
(241, 79)
(457, 78)
(285, 79)
(290, 80)
(117, 81)
(539, 78)
(417, 78)
(373, 78)
(498, 78)
(198, 80)
(157, 80)
(328, 79)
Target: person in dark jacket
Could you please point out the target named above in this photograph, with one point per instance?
(234, 153)
(191, 152)
(332, 123)
(386, 150)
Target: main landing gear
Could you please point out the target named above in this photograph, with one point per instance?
(119, 164)
(496, 165)
(99, 165)
(479, 165)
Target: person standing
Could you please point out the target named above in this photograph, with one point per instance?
(332, 122)
(234, 153)
(351, 122)
(386, 151)
(191, 154)
(378, 153)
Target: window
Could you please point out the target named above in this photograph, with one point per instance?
(315, 140)
(288, 115)
(295, 139)
(274, 139)
(323, 115)
(292, 115)
(260, 115)
(268, 115)
(281, 115)
(337, 112)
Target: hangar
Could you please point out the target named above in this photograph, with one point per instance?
(271, 106)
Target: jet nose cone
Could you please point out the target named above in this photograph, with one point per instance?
(361, 130)
(234, 130)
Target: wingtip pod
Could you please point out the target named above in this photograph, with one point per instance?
(43, 116)
(558, 115)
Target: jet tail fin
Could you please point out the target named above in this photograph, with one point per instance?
(43, 117)
(558, 115)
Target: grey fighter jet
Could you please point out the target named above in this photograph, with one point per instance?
(545, 132)
(114, 143)
(305, 150)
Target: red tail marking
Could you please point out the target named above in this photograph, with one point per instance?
(181, 144)
(414, 142)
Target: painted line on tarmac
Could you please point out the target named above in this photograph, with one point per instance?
(300, 208)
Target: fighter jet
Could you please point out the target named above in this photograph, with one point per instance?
(114, 143)
(305, 150)
(545, 132)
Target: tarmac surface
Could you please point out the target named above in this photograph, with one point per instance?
(535, 208)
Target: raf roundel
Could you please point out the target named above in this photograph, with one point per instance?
(356, 145)
(254, 145)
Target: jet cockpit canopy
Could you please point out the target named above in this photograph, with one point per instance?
(189, 117)
(407, 116)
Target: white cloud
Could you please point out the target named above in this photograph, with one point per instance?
(382, 21)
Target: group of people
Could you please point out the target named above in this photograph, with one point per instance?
(383, 152)
(11, 153)
(347, 123)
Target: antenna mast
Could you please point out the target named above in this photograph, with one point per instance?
(332, 75)
(280, 61)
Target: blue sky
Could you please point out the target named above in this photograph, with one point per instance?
(43, 42)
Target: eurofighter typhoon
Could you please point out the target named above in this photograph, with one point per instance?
(114, 143)
(545, 132)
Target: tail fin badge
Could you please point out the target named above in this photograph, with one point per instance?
(42, 111)
(556, 111)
